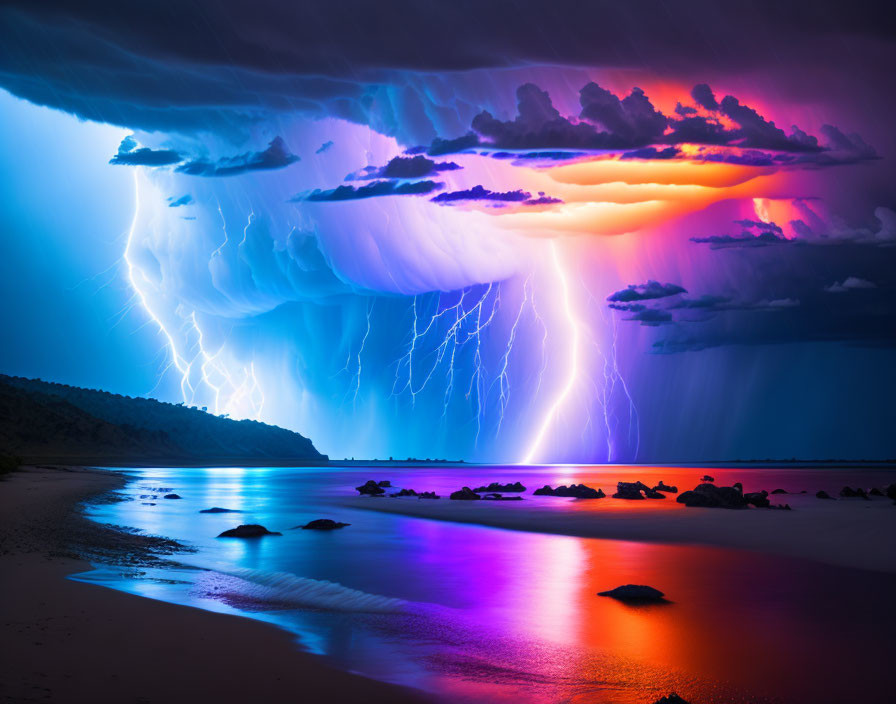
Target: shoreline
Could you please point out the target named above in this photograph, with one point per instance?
(845, 533)
(67, 641)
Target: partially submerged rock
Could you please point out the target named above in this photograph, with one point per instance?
(672, 698)
(634, 592)
(631, 490)
(712, 496)
(428, 495)
(404, 492)
(874, 491)
(858, 493)
(707, 478)
(384, 483)
(249, 530)
(496, 488)
(501, 497)
(465, 494)
(371, 488)
(780, 491)
(578, 491)
(759, 499)
(824, 495)
(890, 491)
(218, 509)
(324, 524)
(664, 487)
(171, 496)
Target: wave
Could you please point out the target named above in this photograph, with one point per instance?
(261, 588)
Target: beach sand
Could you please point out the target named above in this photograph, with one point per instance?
(847, 532)
(66, 641)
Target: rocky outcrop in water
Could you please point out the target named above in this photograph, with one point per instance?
(249, 530)
(371, 488)
(707, 478)
(501, 497)
(759, 499)
(429, 495)
(465, 494)
(824, 495)
(216, 509)
(324, 524)
(496, 488)
(636, 490)
(404, 492)
(384, 483)
(672, 698)
(665, 488)
(712, 496)
(578, 491)
(634, 593)
(780, 491)
(171, 496)
(849, 493)
(890, 491)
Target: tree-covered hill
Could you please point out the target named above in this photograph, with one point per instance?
(44, 421)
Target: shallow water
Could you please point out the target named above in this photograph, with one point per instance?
(483, 615)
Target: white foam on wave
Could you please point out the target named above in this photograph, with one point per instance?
(284, 588)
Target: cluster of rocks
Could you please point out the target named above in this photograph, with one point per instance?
(404, 492)
(848, 492)
(496, 488)
(636, 490)
(578, 491)
(373, 487)
(428, 495)
(218, 509)
(501, 497)
(672, 698)
(708, 495)
(465, 494)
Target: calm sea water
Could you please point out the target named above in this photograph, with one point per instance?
(486, 615)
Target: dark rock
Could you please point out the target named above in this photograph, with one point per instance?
(632, 490)
(404, 492)
(385, 482)
(712, 496)
(668, 489)
(651, 494)
(874, 491)
(849, 493)
(780, 491)
(578, 491)
(823, 495)
(890, 491)
(738, 486)
(707, 478)
(216, 509)
(673, 698)
(249, 530)
(428, 495)
(544, 491)
(634, 592)
(465, 494)
(371, 488)
(499, 497)
(324, 524)
(171, 496)
(759, 499)
(496, 488)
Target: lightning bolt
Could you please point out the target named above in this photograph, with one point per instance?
(574, 343)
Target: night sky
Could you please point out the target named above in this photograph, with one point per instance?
(505, 231)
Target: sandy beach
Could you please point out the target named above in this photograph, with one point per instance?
(66, 641)
(846, 533)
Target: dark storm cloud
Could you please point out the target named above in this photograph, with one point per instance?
(276, 156)
(370, 190)
(747, 239)
(652, 317)
(704, 97)
(129, 154)
(221, 61)
(178, 202)
(645, 292)
(481, 193)
(402, 167)
(842, 290)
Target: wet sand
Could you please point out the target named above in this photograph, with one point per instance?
(847, 533)
(66, 641)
